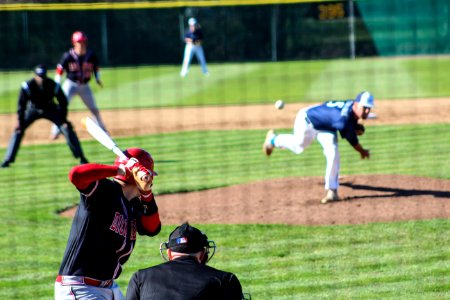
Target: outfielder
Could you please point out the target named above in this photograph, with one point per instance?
(36, 101)
(103, 232)
(79, 63)
(194, 39)
(322, 122)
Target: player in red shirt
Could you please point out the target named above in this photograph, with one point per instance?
(103, 232)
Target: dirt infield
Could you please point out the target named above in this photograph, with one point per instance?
(368, 198)
(374, 198)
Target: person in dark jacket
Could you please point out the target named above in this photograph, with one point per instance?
(185, 275)
(36, 102)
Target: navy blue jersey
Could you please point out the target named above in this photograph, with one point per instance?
(181, 279)
(196, 35)
(103, 232)
(79, 68)
(335, 116)
(40, 98)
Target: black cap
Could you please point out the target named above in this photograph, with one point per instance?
(187, 239)
(40, 70)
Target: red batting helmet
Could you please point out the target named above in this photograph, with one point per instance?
(144, 158)
(79, 37)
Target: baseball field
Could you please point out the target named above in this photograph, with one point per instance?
(389, 239)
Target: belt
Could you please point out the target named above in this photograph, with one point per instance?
(78, 82)
(69, 280)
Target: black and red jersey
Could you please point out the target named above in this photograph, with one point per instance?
(79, 68)
(103, 232)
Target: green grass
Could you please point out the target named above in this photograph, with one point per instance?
(404, 260)
(233, 83)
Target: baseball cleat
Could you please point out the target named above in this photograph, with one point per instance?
(268, 146)
(331, 196)
(5, 164)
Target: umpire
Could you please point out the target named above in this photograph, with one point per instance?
(185, 275)
(36, 102)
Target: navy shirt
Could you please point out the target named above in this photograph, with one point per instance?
(182, 279)
(40, 98)
(79, 68)
(103, 232)
(196, 35)
(335, 116)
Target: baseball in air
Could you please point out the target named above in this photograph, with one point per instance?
(279, 104)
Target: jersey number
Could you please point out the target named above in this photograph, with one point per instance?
(339, 104)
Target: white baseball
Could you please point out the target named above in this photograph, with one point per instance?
(279, 104)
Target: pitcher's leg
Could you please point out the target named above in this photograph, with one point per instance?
(329, 144)
(304, 134)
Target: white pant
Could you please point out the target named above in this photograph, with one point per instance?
(81, 291)
(70, 89)
(303, 136)
(189, 52)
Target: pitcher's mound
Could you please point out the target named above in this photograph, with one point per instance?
(367, 198)
(296, 200)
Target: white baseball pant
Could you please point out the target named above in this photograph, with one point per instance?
(189, 52)
(303, 136)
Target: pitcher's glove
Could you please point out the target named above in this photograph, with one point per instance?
(360, 129)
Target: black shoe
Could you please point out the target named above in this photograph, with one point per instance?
(83, 160)
(5, 164)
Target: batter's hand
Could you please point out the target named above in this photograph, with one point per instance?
(126, 169)
(143, 179)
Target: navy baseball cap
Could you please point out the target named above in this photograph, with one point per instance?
(40, 70)
(365, 99)
(187, 239)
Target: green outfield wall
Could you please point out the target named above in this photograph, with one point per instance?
(408, 27)
(146, 33)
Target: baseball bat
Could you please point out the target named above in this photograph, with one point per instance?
(103, 138)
